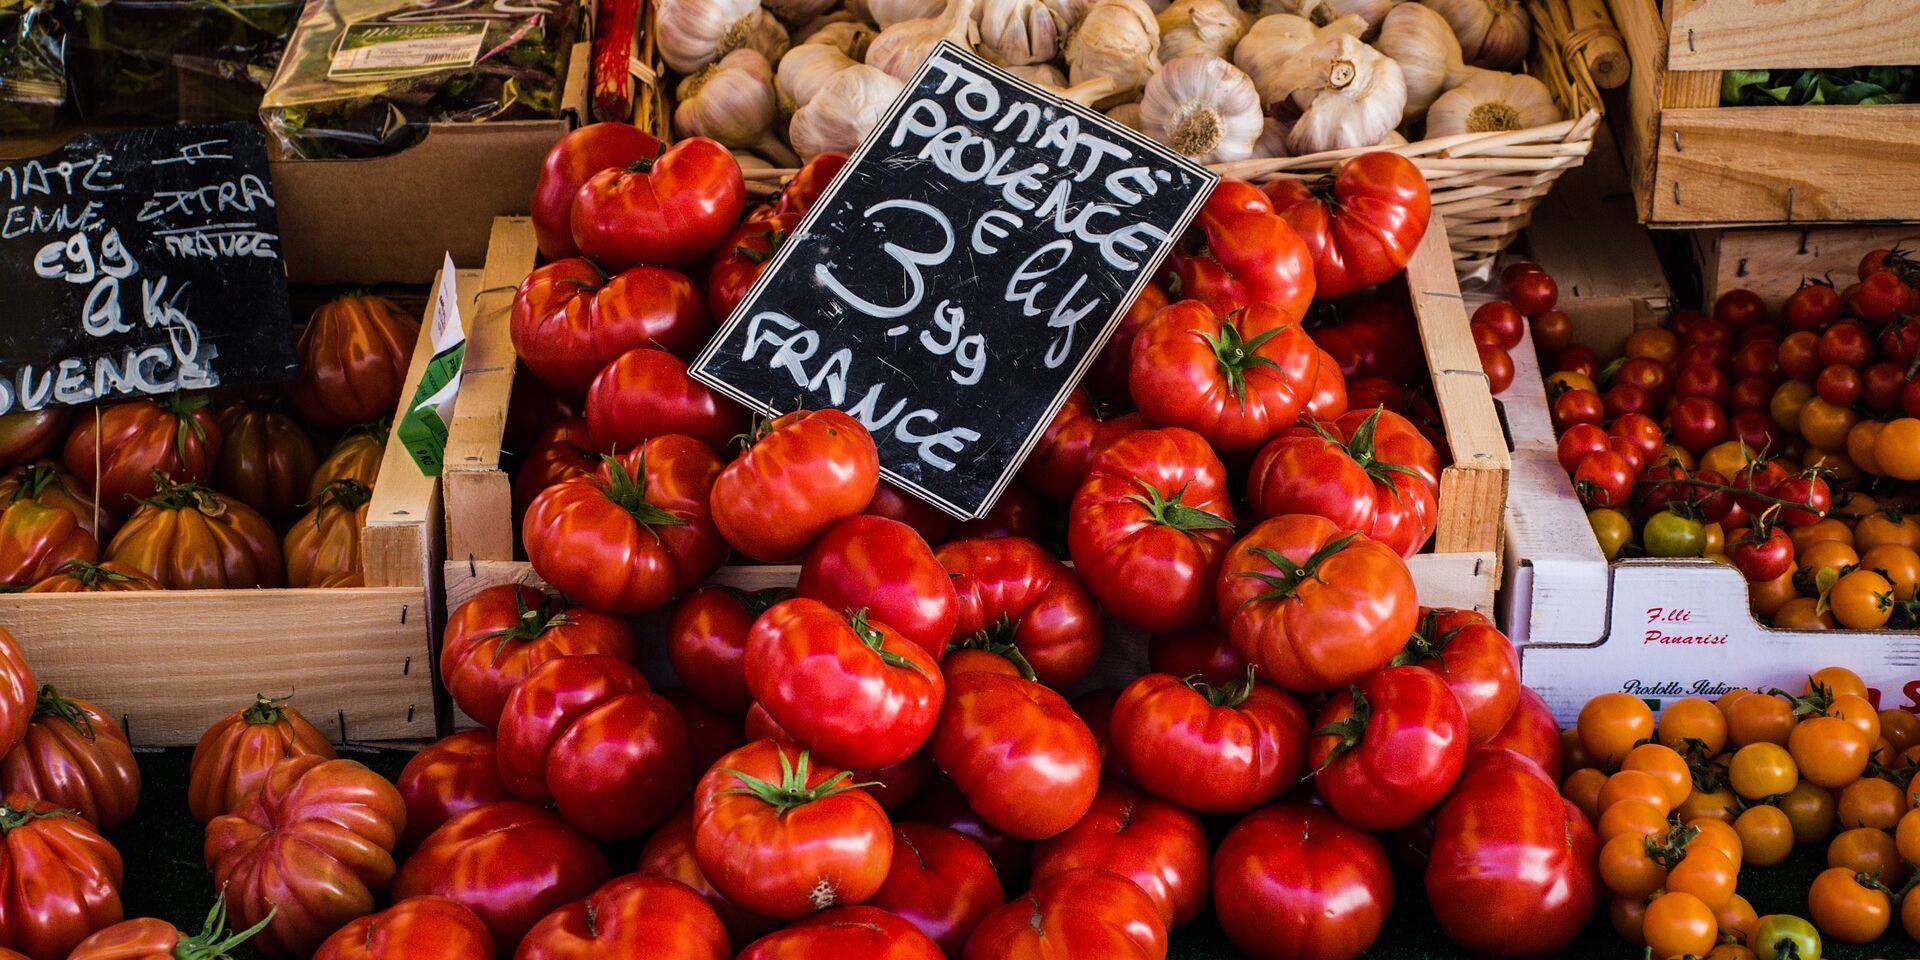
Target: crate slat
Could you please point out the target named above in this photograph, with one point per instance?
(479, 494)
(1763, 34)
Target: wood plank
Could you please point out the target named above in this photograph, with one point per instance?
(1771, 261)
(1646, 38)
(1588, 236)
(1690, 88)
(170, 663)
(479, 498)
(1787, 165)
(1756, 34)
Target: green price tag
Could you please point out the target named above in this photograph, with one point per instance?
(423, 431)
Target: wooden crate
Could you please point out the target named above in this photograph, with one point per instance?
(1586, 234)
(357, 661)
(1771, 261)
(1696, 163)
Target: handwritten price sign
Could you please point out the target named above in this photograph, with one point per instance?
(959, 276)
(140, 263)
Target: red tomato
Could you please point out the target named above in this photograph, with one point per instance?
(670, 210)
(1096, 708)
(813, 178)
(669, 853)
(1758, 358)
(1366, 343)
(1158, 846)
(354, 353)
(645, 393)
(511, 863)
(1497, 364)
(1532, 733)
(1294, 882)
(896, 785)
(1313, 608)
(27, 436)
(1239, 252)
(1014, 593)
(1107, 378)
(1518, 269)
(1387, 749)
(1643, 432)
(586, 734)
(1534, 293)
(1900, 341)
(494, 640)
(1839, 385)
(742, 257)
(233, 756)
(1369, 470)
(634, 535)
(74, 756)
(1812, 307)
(1881, 385)
(868, 933)
(1085, 912)
(1578, 406)
(1203, 652)
(1502, 321)
(942, 804)
(176, 435)
(1847, 343)
(707, 643)
(449, 778)
(941, 882)
(572, 161)
(1706, 330)
(1065, 450)
(1881, 297)
(1329, 397)
(1750, 394)
(570, 319)
(1361, 224)
(37, 541)
(1236, 378)
(59, 879)
(1808, 491)
(1148, 528)
(1023, 758)
(1760, 558)
(710, 733)
(1513, 869)
(1477, 661)
(1648, 374)
(1799, 355)
(266, 461)
(1223, 749)
(784, 837)
(1580, 440)
(18, 688)
(1018, 513)
(563, 451)
(637, 915)
(883, 567)
(927, 520)
(1740, 308)
(1701, 380)
(313, 849)
(804, 472)
(1604, 479)
(422, 926)
(853, 691)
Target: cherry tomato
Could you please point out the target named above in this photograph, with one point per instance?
(1533, 293)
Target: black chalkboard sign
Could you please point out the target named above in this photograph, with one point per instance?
(139, 263)
(958, 277)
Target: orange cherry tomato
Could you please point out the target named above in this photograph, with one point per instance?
(1829, 751)
(1760, 770)
(1718, 834)
(1856, 710)
(1897, 449)
(1628, 869)
(1900, 728)
(1574, 756)
(1899, 564)
(1634, 785)
(1706, 873)
(1815, 532)
(1906, 837)
(1665, 766)
(1825, 425)
(1812, 811)
(1679, 925)
(1766, 836)
(1583, 788)
(1654, 343)
(1732, 951)
(1866, 850)
(1631, 816)
(1843, 908)
(1629, 919)
(1886, 527)
(1862, 600)
(1837, 682)
(1759, 718)
(1611, 723)
(1766, 598)
(1860, 446)
(1872, 802)
(1803, 613)
(1826, 555)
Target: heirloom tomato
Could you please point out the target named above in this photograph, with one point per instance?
(1014, 593)
(1066, 448)
(799, 194)
(1387, 749)
(36, 541)
(563, 451)
(1368, 342)
(449, 778)
(325, 541)
(1477, 662)
(570, 319)
(234, 755)
(47, 483)
(1239, 251)
(28, 435)
(1329, 397)
(707, 643)
(1360, 224)
(150, 939)
(803, 473)
(843, 932)
(941, 882)
(572, 161)
(586, 734)
(266, 458)
(1313, 608)
(1294, 882)
(354, 354)
(634, 535)
(784, 837)
(410, 929)
(495, 639)
(638, 915)
(1532, 733)
(1107, 378)
(1024, 759)
(927, 520)
(883, 567)
(668, 210)
(1158, 846)
(121, 446)
(1369, 471)
(1018, 513)
(710, 733)
(1204, 652)
(742, 257)
(59, 879)
(188, 537)
(510, 863)
(79, 576)
(645, 393)
(356, 457)
(75, 757)
(942, 804)
(1149, 526)
(669, 853)
(1212, 749)
(1084, 912)
(1236, 378)
(313, 849)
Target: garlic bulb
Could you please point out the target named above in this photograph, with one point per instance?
(732, 100)
(1199, 26)
(1270, 45)
(1126, 115)
(850, 36)
(1119, 40)
(843, 112)
(1490, 102)
(903, 47)
(1421, 42)
(1203, 107)
(1273, 139)
(797, 11)
(886, 13)
(1394, 139)
(805, 69)
(1021, 32)
(1323, 12)
(694, 33)
(1041, 75)
(1493, 33)
(1347, 95)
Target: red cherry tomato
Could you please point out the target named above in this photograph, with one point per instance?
(1503, 320)
(1740, 308)
(1534, 293)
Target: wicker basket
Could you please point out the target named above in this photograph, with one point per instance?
(1485, 185)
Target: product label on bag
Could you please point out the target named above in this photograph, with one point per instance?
(377, 51)
(958, 277)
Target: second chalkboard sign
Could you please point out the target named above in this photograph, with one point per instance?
(958, 277)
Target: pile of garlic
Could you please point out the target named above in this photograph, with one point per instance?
(1217, 80)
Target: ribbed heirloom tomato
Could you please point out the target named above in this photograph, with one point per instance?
(1361, 224)
(570, 319)
(234, 755)
(188, 537)
(669, 853)
(883, 567)
(1239, 251)
(495, 639)
(413, 928)
(449, 778)
(668, 210)
(563, 450)
(940, 881)
(803, 473)
(645, 393)
(1235, 377)
(25, 436)
(1387, 749)
(1158, 846)
(1084, 912)
(1294, 882)
(266, 460)
(843, 932)
(511, 863)
(59, 879)
(17, 693)
(1211, 748)
(176, 435)
(1066, 448)
(1367, 470)
(1013, 592)
(47, 483)
(36, 541)
(632, 916)
(707, 642)
(354, 354)
(1476, 660)
(1025, 761)
(325, 542)
(742, 257)
(74, 756)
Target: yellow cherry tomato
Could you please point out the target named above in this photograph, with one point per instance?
(1880, 527)
(1860, 441)
(1698, 719)
(1762, 770)
(1767, 598)
(1786, 402)
(1824, 425)
(1899, 564)
(1803, 613)
(1654, 343)
(1570, 380)
(1897, 449)
(1819, 530)
(1861, 600)
(1727, 458)
(1766, 835)
(1612, 529)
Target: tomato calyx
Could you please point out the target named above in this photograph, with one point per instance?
(345, 493)
(792, 790)
(266, 710)
(631, 494)
(1228, 695)
(1237, 355)
(1283, 585)
(757, 602)
(996, 639)
(1350, 731)
(182, 408)
(533, 622)
(90, 574)
(1170, 512)
(185, 496)
(13, 818)
(1427, 642)
(37, 477)
(213, 942)
(49, 703)
(875, 641)
(775, 237)
(645, 164)
(1361, 447)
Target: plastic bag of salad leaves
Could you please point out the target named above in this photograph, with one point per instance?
(364, 77)
(168, 60)
(33, 84)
